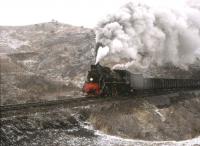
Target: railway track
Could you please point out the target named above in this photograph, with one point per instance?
(12, 107)
(84, 100)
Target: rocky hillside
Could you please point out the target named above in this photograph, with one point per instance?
(168, 120)
(43, 61)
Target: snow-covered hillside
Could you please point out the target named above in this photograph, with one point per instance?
(44, 54)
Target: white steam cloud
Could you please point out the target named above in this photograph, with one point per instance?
(102, 52)
(152, 35)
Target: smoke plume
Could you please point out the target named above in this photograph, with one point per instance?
(152, 35)
(102, 52)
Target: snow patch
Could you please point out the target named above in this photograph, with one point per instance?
(13, 43)
(161, 115)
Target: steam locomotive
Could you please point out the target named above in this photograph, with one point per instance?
(102, 81)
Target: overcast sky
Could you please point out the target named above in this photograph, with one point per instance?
(76, 12)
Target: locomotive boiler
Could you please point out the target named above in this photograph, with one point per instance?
(106, 82)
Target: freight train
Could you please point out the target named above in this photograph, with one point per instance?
(102, 81)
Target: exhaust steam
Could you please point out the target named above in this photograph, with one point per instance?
(150, 35)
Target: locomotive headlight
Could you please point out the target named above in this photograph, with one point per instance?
(91, 79)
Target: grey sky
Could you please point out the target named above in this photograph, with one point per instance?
(76, 12)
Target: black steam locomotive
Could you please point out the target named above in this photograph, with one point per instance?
(106, 82)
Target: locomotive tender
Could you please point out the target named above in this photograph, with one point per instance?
(106, 82)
